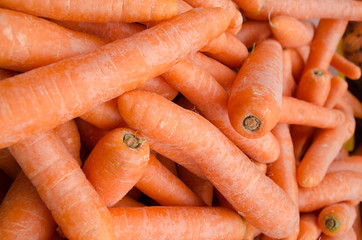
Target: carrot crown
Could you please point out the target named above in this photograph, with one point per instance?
(331, 223)
(132, 141)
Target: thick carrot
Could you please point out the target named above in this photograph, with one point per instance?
(127, 202)
(6, 73)
(351, 163)
(291, 32)
(300, 112)
(23, 214)
(297, 64)
(253, 32)
(20, 46)
(337, 219)
(255, 100)
(289, 84)
(8, 164)
(338, 88)
(308, 226)
(74, 85)
(159, 85)
(162, 186)
(168, 163)
(226, 167)
(342, 154)
(346, 185)
(94, 11)
(177, 223)
(211, 100)
(262, 166)
(348, 68)
(353, 102)
(201, 187)
(350, 235)
(61, 184)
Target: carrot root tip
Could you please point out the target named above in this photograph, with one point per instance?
(251, 123)
(132, 141)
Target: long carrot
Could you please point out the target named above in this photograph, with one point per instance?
(291, 32)
(338, 88)
(253, 32)
(348, 68)
(353, 102)
(357, 225)
(309, 228)
(346, 185)
(177, 223)
(350, 235)
(73, 86)
(211, 100)
(8, 164)
(94, 11)
(226, 167)
(6, 73)
(61, 184)
(168, 163)
(351, 163)
(336, 219)
(297, 63)
(289, 84)
(255, 99)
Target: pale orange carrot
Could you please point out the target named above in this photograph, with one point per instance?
(297, 64)
(308, 226)
(127, 202)
(353, 102)
(351, 163)
(342, 154)
(253, 32)
(134, 193)
(6, 73)
(289, 84)
(262, 166)
(304, 52)
(357, 225)
(348, 68)
(338, 88)
(350, 235)
(8, 164)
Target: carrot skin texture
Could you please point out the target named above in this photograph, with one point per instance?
(347, 186)
(217, 167)
(94, 11)
(111, 74)
(353, 102)
(357, 225)
(297, 64)
(308, 226)
(177, 223)
(348, 68)
(61, 184)
(351, 163)
(258, 95)
(350, 235)
(253, 32)
(338, 87)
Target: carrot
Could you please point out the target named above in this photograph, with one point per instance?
(348, 68)
(22, 50)
(6, 73)
(336, 219)
(262, 166)
(338, 88)
(8, 164)
(89, 134)
(61, 184)
(353, 102)
(94, 11)
(221, 201)
(253, 32)
(23, 214)
(357, 225)
(203, 91)
(177, 223)
(291, 32)
(168, 163)
(103, 80)
(325, 42)
(351, 163)
(127, 202)
(159, 85)
(350, 235)
(337, 9)
(255, 99)
(309, 228)
(342, 154)
(297, 63)
(299, 112)
(304, 52)
(201, 187)
(226, 167)
(237, 19)
(346, 186)
(289, 84)
(249, 232)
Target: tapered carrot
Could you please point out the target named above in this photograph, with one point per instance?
(6, 73)
(61, 184)
(338, 88)
(353, 102)
(71, 91)
(291, 32)
(229, 170)
(23, 214)
(255, 99)
(177, 223)
(350, 235)
(116, 164)
(348, 68)
(336, 219)
(8, 164)
(308, 225)
(351, 163)
(346, 185)
(22, 50)
(300, 112)
(337, 9)
(297, 63)
(203, 91)
(94, 11)
(201, 187)
(162, 186)
(237, 19)
(127, 202)
(168, 163)
(289, 84)
(253, 32)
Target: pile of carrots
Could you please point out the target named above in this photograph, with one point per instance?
(177, 119)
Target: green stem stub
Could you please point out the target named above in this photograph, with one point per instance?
(251, 123)
(131, 141)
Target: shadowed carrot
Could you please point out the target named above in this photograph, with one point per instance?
(89, 134)
(249, 231)
(169, 164)
(350, 235)
(357, 225)
(353, 102)
(351, 163)
(6, 73)
(308, 226)
(338, 88)
(253, 32)
(297, 64)
(348, 68)
(352, 41)
(127, 202)
(8, 164)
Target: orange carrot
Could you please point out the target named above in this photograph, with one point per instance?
(262, 166)
(203, 91)
(127, 202)
(350, 235)
(309, 228)
(61, 184)
(23, 214)
(94, 11)
(336, 219)
(255, 99)
(338, 88)
(168, 163)
(162, 186)
(289, 84)
(22, 50)
(89, 134)
(177, 223)
(342, 154)
(353, 102)
(229, 170)
(346, 185)
(116, 164)
(202, 187)
(108, 76)
(348, 68)
(159, 85)
(299, 112)
(253, 32)
(249, 231)
(297, 63)
(357, 225)
(291, 32)
(134, 193)
(8, 164)
(6, 74)
(351, 163)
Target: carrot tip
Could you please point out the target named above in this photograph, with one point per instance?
(330, 223)
(132, 141)
(251, 123)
